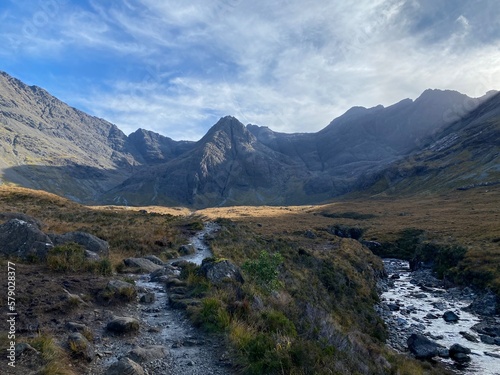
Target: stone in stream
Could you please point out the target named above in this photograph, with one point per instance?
(487, 339)
(421, 347)
(125, 366)
(459, 353)
(123, 325)
(142, 264)
(186, 249)
(148, 353)
(450, 317)
(468, 336)
(149, 297)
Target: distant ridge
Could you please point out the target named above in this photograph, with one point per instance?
(46, 144)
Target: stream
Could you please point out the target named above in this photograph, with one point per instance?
(188, 350)
(409, 308)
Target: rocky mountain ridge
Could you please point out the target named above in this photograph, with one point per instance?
(45, 144)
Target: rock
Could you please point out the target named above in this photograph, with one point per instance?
(431, 316)
(218, 272)
(450, 317)
(123, 325)
(22, 239)
(177, 301)
(484, 305)
(487, 339)
(144, 265)
(149, 297)
(90, 255)
(76, 327)
(186, 249)
(468, 336)
(488, 327)
(5, 216)
(148, 353)
(80, 346)
(393, 307)
(494, 355)
(310, 234)
(459, 353)
(421, 346)
(161, 274)
(73, 299)
(86, 240)
(125, 366)
(174, 282)
(154, 259)
(22, 347)
(443, 352)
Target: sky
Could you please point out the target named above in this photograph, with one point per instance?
(176, 67)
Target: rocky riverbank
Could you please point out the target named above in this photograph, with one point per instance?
(452, 325)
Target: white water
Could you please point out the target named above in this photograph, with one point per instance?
(402, 294)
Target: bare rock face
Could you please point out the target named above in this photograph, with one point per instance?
(23, 239)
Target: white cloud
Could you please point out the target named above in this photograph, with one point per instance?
(291, 65)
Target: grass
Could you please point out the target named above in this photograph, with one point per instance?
(55, 359)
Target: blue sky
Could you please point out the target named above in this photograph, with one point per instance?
(176, 67)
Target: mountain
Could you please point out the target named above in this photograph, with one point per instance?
(45, 144)
(462, 155)
(227, 166)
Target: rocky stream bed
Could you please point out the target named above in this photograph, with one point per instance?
(454, 326)
(166, 342)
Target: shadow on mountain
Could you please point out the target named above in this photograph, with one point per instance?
(80, 183)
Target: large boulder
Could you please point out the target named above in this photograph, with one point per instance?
(23, 239)
(422, 347)
(86, 240)
(220, 271)
(459, 353)
(5, 216)
(450, 317)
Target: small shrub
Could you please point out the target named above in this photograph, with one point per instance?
(264, 270)
(67, 257)
(211, 315)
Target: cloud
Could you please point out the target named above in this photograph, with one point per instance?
(176, 67)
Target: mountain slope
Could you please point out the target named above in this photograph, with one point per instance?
(48, 145)
(462, 155)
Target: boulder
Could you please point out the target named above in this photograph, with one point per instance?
(450, 317)
(459, 353)
(220, 271)
(123, 325)
(148, 353)
(143, 264)
(422, 347)
(90, 255)
(80, 346)
(484, 305)
(76, 327)
(125, 366)
(468, 336)
(5, 216)
(155, 259)
(86, 240)
(22, 239)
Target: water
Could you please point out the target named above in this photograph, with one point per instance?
(198, 242)
(414, 307)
